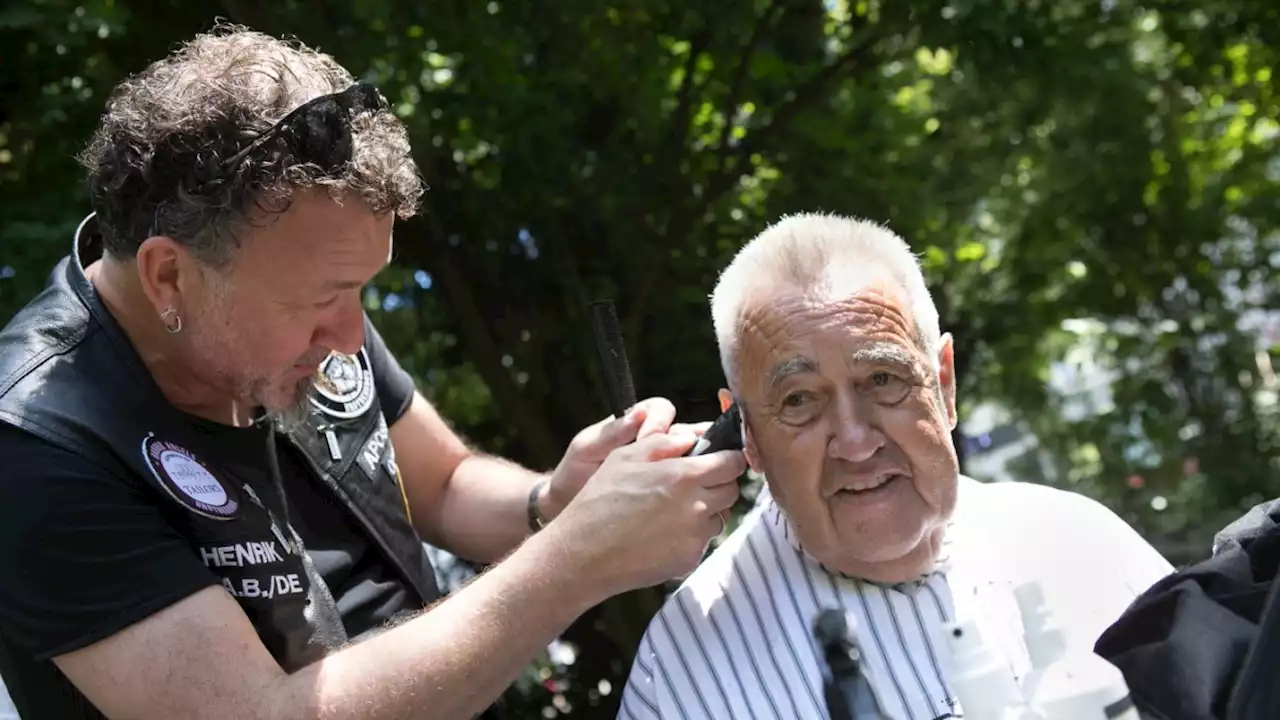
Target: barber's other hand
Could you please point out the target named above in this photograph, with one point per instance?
(592, 446)
(648, 513)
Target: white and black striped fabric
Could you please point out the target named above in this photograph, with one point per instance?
(735, 640)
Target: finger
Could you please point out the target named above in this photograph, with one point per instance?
(721, 498)
(663, 446)
(698, 429)
(712, 469)
(659, 414)
(599, 439)
(716, 525)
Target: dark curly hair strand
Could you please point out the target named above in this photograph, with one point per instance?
(155, 162)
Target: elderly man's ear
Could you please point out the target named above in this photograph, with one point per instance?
(726, 399)
(753, 457)
(947, 377)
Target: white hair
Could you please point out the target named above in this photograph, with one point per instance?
(822, 253)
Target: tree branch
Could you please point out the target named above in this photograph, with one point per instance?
(678, 134)
(724, 178)
(739, 81)
(668, 160)
(813, 90)
(532, 431)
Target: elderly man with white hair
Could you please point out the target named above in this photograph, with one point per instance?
(831, 347)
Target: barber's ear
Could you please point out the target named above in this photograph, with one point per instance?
(726, 399)
(165, 272)
(947, 377)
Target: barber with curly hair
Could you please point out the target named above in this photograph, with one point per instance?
(217, 479)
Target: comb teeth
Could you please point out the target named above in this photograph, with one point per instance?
(613, 357)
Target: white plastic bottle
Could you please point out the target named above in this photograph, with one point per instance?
(1066, 685)
(984, 683)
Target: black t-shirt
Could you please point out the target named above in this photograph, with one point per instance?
(83, 555)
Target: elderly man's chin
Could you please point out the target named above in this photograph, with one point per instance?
(886, 539)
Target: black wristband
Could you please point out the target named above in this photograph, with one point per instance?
(536, 522)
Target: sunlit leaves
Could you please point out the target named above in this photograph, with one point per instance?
(1092, 189)
(969, 252)
(934, 62)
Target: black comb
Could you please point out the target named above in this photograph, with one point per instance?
(613, 357)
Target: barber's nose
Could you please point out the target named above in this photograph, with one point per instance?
(855, 438)
(342, 329)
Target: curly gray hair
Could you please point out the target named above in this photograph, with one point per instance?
(156, 162)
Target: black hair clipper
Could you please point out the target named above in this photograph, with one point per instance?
(724, 434)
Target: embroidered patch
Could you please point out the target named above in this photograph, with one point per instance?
(375, 449)
(344, 386)
(188, 480)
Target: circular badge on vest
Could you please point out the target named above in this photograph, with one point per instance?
(344, 385)
(188, 480)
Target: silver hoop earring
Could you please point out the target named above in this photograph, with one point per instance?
(176, 327)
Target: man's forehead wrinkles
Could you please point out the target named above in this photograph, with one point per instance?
(883, 314)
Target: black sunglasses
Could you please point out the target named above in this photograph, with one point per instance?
(319, 130)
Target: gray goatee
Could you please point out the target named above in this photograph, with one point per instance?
(294, 416)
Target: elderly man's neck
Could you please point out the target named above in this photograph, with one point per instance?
(117, 285)
(920, 562)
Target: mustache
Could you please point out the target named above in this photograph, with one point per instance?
(315, 357)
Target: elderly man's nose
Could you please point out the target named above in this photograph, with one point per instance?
(855, 437)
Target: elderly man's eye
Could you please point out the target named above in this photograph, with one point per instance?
(795, 400)
(798, 408)
(887, 388)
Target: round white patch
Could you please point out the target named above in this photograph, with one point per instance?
(188, 480)
(192, 479)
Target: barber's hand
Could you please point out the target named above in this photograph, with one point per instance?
(648, 513)
(592, 446)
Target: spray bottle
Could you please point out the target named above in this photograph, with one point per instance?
(1065, 684)
(984, 683)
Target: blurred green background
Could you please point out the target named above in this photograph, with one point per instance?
(1092, 187)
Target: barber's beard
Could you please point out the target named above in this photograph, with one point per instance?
(281, 399)
(293, 416)
(286, 403)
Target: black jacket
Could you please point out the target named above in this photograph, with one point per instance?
(69, 376)
(1205, 641)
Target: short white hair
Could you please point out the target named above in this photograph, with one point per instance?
(821, 253)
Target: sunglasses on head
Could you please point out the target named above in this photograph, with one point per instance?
(319, 130)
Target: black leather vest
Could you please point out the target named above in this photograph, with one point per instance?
(69, 375)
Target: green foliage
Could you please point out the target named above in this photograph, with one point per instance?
(1084, 181)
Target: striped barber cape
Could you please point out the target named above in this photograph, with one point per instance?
(735, 640)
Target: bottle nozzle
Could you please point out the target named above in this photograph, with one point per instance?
(985, 684)
(1046, 641)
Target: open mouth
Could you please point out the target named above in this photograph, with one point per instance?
(870, 486)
